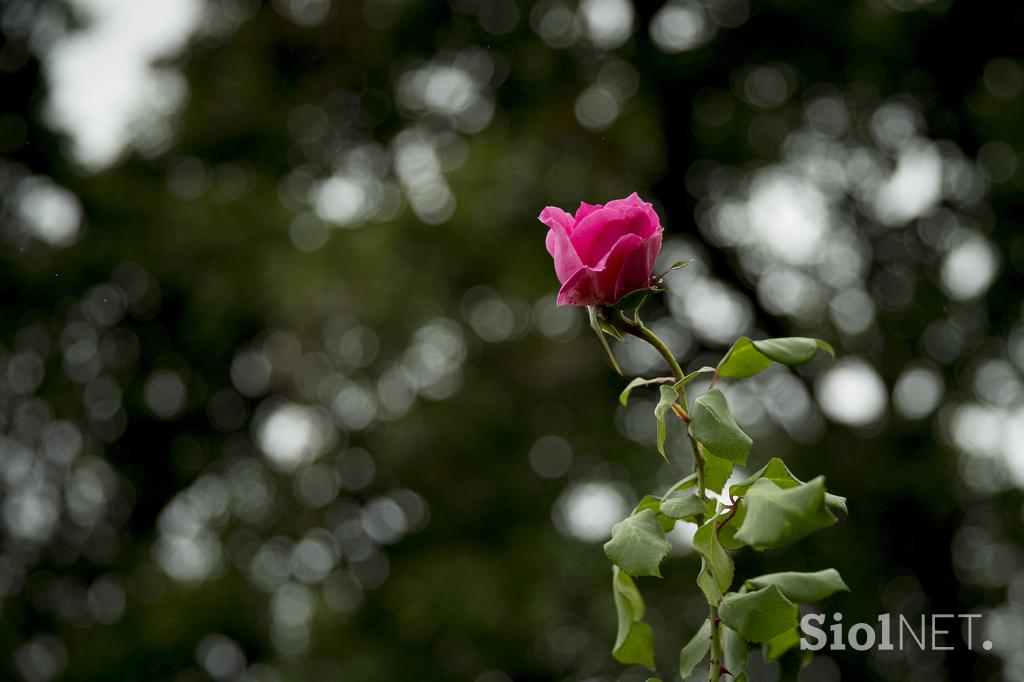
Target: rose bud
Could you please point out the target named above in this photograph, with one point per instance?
(603, 252)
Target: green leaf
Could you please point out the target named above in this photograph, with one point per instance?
(632, 301)
(685, 483)
(776, 646)
(610, 330)
(758, 616)
(803, 586)
(747, 358)
(778, 516)
(694, 374)
(717, 569)
(708, 585)
(638, 544)
(637, 383)
(794, 350)
(669, 396)
(654, 503)
(777, 472)
(836, 502)
(712, 425)
(634, 643)
(716, 471)
(638, 646)
(592, 314)
(686, 507)
(743, 360)
(727, 533)
(694, 651)
(734, 651)
(675, 266)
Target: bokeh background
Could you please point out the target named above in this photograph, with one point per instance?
(284, 394)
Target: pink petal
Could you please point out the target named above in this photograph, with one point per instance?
(582, 288)
(595, 235)
(637, 267)
(634, 202)
(609, 266)
(563, 253)
(586, 209)
(556, 218)
(596, 285)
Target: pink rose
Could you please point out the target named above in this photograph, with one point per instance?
(604, 252)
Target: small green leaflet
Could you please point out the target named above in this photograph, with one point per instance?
(634, 643)
(716, 471)
(638, 544)
(792, 351)
(685, 483)
(734, 651)
(631, 302)
(743, 360)
(747, 358)
(686, 507)
(637, 383)
(712, 425)
(694, 374)
(708, 585)
(758, 616)
(694, 651)
(654, 503)
(717, 569)
(775, 471)
(778, 473)
(803, 587)
(778, 516)
(596, 326)
(669, 396)
(836, 502)
(675, 266)
(780, 644)
(610, 330)
(731, 524)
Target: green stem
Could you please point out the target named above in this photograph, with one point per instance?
(637, 329)
(716, 646)
(698, 467)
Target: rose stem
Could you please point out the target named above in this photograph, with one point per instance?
(637, 329)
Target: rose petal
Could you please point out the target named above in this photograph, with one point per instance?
(586, 209)
(556, 218)
(595, 235)
(634, 202)
(563, 253)
(636, 269)
(596, 285)
(580, 289)
(608, 268)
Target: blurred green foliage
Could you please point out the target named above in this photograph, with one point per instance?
(284, 394)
